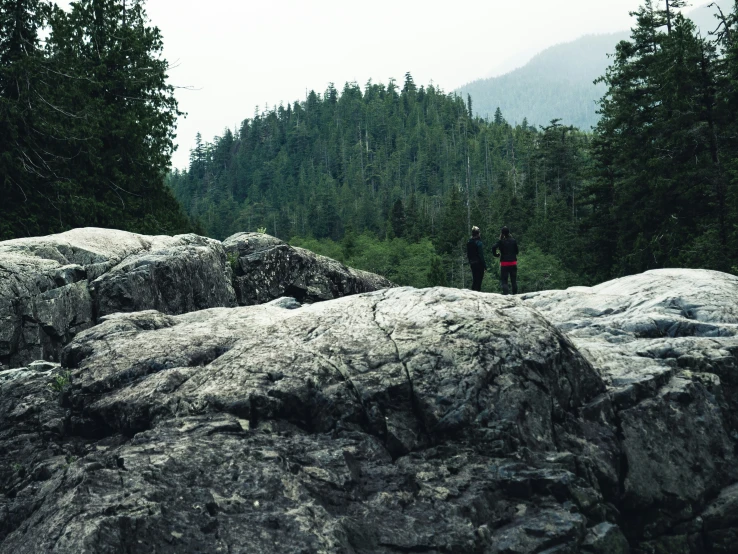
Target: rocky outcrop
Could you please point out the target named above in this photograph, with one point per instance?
(51, 288)
(401, 420)
(666, 344)
(267, 268)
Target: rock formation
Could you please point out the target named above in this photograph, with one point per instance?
(666, 345)
(53, 287)
(266, 268)
(599, 420)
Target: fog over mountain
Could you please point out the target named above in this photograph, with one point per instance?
(559, 81)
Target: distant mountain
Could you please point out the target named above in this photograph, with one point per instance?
(558, 82)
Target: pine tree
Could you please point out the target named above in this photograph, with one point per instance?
(397, 219)
(499, 120)
(116, 76)
(453, 228)
(87, 123)
(413, 230)
(655, 141)
(24, 170)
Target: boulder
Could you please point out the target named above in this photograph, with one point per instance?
(665, 343)
(597, 420)
(267, 268)
(53, 287)
(399, 420)
(720, 522)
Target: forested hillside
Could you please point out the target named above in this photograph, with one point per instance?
(390, 178)
(559, 81)
(86, 119)
(405, 163)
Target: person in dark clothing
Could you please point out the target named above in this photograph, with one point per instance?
(475, 253)
(508, 254)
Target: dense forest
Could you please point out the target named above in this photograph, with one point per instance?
(86, 119)
(386, 177)
(390, 178)
(403, 164)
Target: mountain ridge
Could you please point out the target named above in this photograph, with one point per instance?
(558, 81)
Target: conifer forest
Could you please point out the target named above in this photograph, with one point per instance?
(86, 119)
(386, 177)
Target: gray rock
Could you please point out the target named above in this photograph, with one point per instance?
(51, 288)
(189, 274)
(267, 268)
(605, 538)
(665, 344)
(721, 521)
(399, 420)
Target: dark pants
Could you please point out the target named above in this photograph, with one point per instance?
(477, 276)
(512, 271)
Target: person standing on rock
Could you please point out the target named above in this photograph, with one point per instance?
(475, 253)
(508, 254)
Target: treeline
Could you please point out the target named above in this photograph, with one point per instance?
(654, 186)
(664, 190)
(392, 162)
(86, 119)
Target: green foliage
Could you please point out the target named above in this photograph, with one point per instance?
(324, 247)
(436, 274)
(540, 271)
(86, 120)
(61, 381)
(232, 260)
(661, 189)
(402, 262)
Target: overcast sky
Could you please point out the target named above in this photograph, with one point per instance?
(237, 54)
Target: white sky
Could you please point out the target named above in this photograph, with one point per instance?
(237, 54)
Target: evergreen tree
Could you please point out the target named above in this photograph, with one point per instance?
(656, 151)
(24, 170)
(117, 78)
(453, 230)
(87, 123)
(436, 273)
(499, 120)
(413, 230)
(397, 219)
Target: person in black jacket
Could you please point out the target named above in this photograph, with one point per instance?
(475, 253)
(508, 254)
